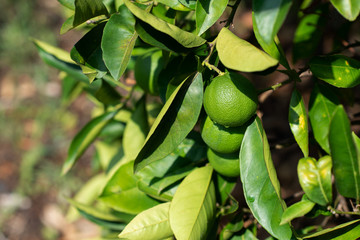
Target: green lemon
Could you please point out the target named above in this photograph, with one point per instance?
(230, 100)
(147, 70)
(226, 164)
(220, 138)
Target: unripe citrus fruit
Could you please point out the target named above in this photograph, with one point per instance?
(226, 164)
(230, 100)
(220, 138)
(147, 70)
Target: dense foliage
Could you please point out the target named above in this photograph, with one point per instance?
(157, 182)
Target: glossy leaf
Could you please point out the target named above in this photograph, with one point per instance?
(88, 54)
(178, 116)
(269, 16)
(101, 218)
(321, 107)
(191, 4)
(122, 194)
(299, 122)
(308, 34)
(59, 59)
(118, 41)
(273, 48)
(260, 183)
(343, 152)
(337, 70)
(186, 39)
(348, 231)
(207, 13)
(296, 210)
(349, 9)
(224, 187)
(164, 13)
(160, 179)
(85, 10)
(84, 138)
(238, 54)
(151, 224)
(193, 207)
(174, 4)
(136, 130)
(315, 179)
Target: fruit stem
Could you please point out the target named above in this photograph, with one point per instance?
(276, 86)
(212, 67)
(206, 60)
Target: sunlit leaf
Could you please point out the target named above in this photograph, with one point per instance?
(240, 55)
(321, 107)
(299, 122)
(260, 183)
(193, 207)
(87, 9)
(118, 41)
(136, 130)
(348, 231)
(122, 194)
(84, 138)
(343, 152)
(151, 224)
(296, 210)
(191, 4)
(269, 16)
(177, 118)
(315, 179)
(337, 70)
(186, 39)
(207, 13)
(174, 4)
(349, 9)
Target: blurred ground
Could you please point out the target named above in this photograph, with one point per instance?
(36, 126)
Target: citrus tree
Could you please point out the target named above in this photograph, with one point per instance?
(177, 146)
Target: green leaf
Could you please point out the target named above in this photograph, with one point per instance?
(118, 41)
(59, 59)
(164, 13)
(349, 9)
(87, 194)
(189, 3)
(296, 210)
(343, 152)
(174, 4)
(160, 179)
(260, 183)
(299, 122)
(107, 95)
(246, 235)
(348, 231)
(176, 119)
(321, 107)
(122, 194)
(100, 217)
(207, 13)
(84, 138)
(87, 9)
(234, 226)
(315, 179)
(273, 48)
(151, 224)
(135, 131)
(88, 54)
(337, 70)
(240, 55)
(192, 209)
(186, 39)
(308, 34)
(224, 187)
(269, 16)
(70, 4)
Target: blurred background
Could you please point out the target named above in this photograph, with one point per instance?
(36, 127)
